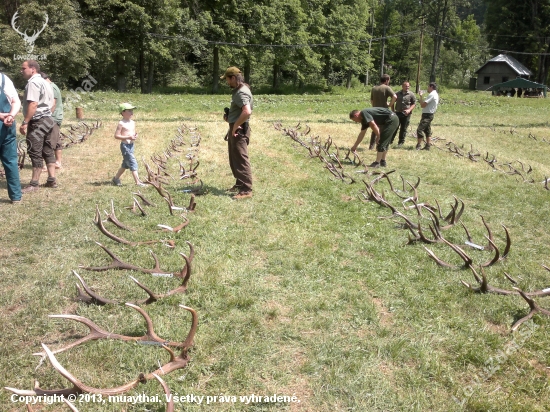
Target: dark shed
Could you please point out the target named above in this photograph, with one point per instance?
(500, 69)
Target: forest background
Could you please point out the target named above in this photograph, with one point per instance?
(281, 45)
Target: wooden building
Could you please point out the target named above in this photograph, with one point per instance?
(500, 69)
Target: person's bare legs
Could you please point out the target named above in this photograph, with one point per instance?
(136, 178)
(58, 159)
(119, 173)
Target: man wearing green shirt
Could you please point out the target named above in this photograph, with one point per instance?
(383, 123)
(57, 114)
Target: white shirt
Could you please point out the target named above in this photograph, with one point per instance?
(431, 102)
(39, 91)
(9, 88)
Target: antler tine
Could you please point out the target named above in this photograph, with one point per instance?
(143, 199)
(117, 263)
(489, 232)
(449, 218)
(437, 260)
(143, 213)
(70, 405)
(92, 296)
(510, 278)
(111, 217)
(534, 310)
(508, 243)
(99, 223)
(79, 386)
(153, 297)
(467, 233)
(169, 399)
(467, 259)
(456, 216)
(496, 258)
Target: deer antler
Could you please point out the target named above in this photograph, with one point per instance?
(97, 332)
(117, 263)
(99, 223)
(153, 297)
(534, 310)
(111, 217)
(176, 362)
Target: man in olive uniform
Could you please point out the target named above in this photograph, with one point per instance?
(238, 135)
(379, 96)
(383, 123)
(404, 105)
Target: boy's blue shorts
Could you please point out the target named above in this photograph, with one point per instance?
(128, 159)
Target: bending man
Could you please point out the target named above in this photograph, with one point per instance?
(383, 123)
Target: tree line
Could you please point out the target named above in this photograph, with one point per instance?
(294, 44)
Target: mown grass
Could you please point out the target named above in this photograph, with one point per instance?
(301, 290)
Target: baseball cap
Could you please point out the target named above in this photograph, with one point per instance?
(231, 71)
(125, 106)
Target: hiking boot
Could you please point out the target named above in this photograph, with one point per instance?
(427, 147)
(30, 189)
(418, 146)
(234, 189)
(374, 165)
(242, 195)
(51, 184)
(382, 163)
(116, 182)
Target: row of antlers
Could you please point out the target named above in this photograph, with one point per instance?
(429, 223)
(87, 295)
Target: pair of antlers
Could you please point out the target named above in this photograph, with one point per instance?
(176, 362)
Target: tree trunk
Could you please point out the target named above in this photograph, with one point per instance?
(120, 73)
(215, 70)
(441, 19)
(326, 73)
(151, 75)
(348, 82)
(142, 71)
(275, 76)
(247, 70)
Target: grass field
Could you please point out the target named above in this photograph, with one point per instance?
(302, 290)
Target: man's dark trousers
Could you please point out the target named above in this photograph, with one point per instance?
(403, 126)
(238, 157)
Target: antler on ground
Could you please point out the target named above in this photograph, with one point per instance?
(153, 297)
(111, 217)
(176, 362)
(534, 310)
(99, 223)
(117, 263)
(97, 332)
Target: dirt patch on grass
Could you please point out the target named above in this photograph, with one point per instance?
(539, 367)
(386, 317)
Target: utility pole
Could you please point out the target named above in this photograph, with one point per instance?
(384, 38)
(420, 56)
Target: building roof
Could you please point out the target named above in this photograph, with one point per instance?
(519, 68)
(518, 83)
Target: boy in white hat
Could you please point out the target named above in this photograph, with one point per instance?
(126, 133)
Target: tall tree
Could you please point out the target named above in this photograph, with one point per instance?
(521, 27)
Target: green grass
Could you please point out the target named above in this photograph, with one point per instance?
(301, 290)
